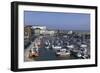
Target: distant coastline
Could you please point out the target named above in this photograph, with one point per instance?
(72, 30)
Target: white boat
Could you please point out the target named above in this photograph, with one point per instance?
(63, 52)
(79, 55)
(70, 46)
(56, 47)
(83, 45)
(84, 57)
(47, 45)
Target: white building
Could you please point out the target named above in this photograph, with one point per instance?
(40, 27)
(50, 32)
(42, 30)
(70, 32)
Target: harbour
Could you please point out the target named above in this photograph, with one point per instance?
(58, 47)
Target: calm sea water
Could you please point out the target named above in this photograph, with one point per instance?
(45, 55)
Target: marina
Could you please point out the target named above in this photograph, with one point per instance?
(65, 47)
(49, 37)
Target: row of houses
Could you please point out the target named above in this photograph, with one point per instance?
(29, 31)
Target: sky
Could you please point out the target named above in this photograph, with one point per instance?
(58, 20)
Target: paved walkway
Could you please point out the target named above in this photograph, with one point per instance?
(26, 52)
(31, 46)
